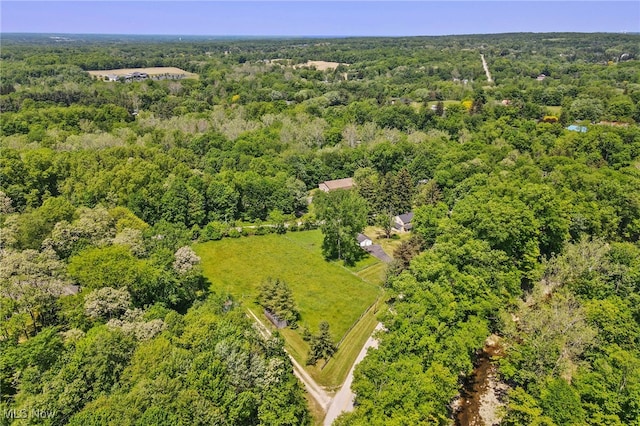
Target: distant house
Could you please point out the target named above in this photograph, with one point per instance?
(576, 128)
(403, 222)
(541, 77)
(332, 185)
(136, 76)
(364, 241)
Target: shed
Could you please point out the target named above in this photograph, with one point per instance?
(364, 241)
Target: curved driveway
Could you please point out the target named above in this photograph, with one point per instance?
(343, 400)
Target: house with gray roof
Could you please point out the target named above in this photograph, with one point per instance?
(403, 222)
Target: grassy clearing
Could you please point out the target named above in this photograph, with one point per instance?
(322, 290)
(388, 244)
(446, 103)
(317, 413)
(336, 370)
(374, 274)
(555, 110)
(332, 375)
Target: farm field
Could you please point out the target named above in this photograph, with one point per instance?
(322, 290)
(150, 71)
(321, 65)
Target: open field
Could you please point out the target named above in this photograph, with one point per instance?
(322, 290)
(446, 103)
(321, 65)
(151, 71)
(555, 110)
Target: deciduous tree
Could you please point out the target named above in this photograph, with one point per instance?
(343, 214)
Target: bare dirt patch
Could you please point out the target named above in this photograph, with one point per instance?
(151, 71)
(321, 65)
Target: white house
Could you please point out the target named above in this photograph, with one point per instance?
(364, 241)
(403, 222)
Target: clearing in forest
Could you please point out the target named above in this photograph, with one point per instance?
(323, 291)
(321, 65)
(152, 71)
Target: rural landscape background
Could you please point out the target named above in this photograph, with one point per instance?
(354, 230)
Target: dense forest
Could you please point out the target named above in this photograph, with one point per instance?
(525, 188)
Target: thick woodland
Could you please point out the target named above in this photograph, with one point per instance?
(523, 229)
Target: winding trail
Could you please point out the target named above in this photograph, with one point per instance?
(486, 69)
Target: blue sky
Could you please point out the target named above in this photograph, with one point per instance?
(329, 18)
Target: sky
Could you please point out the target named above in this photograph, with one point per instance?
(317, 18)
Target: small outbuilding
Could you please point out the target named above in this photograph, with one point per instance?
(364, 241)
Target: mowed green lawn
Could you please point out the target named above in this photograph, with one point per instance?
(323, 291)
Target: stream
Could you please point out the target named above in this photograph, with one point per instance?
(482, 393)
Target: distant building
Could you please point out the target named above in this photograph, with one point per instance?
(576, 128)
(541, 77)
(364, 241)
(136, 76)
(332, 185)
(403, 222)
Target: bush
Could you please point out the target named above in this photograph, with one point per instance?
(263, 230)
(293, 227)
(213, 231)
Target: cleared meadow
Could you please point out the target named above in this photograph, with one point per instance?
(323, 291)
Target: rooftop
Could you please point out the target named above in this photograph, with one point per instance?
(345, 183)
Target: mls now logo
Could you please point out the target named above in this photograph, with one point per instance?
(29, 414)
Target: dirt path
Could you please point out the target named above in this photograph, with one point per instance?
(311, 386)
(486, 69)
(343, 400)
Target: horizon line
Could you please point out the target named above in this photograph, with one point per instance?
(310, 35)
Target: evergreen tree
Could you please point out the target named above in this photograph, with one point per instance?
(403, 191)
(276, 297)
(322, 345)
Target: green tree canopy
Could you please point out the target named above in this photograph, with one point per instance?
(342, 214)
